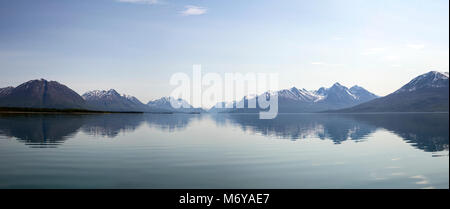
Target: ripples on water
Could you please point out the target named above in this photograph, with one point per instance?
(223, 150)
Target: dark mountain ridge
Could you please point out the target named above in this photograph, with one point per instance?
(41, 94)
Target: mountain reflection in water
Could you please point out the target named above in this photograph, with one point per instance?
(49, 130)
(428, 132)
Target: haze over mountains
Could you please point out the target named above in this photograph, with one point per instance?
(425, 93)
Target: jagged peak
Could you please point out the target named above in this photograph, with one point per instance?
(113, 91)
(105, 91)
(101, 93)
(295, 89)
(165, 99)
(337, 84)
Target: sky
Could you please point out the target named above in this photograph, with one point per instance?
(134, 46)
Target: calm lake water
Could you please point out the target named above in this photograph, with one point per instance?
(224, 151)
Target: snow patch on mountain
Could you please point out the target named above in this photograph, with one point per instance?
(179, 104)
(112, 100)
(432, 79)
(302, 100)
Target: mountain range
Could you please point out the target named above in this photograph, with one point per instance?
(297, 100)
(425, 93)
(112, 101)
(45, 94)
(165, 104)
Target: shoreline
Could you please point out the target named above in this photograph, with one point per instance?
(14, 110)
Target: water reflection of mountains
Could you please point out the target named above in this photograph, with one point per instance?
(299, 126)
(39, 131)
(49, 130)
(428, 132)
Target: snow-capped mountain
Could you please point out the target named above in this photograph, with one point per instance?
(339, 96)
(164, 103)
(432, 79)
(302, 100)
(425, 93)
(299, 95)
(361, 93)
(335, 96)
(111, 100)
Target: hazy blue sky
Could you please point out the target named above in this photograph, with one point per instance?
(134, 46)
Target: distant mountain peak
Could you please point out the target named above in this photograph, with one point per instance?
(100, 94)
(425, 93)
(337, 87)
(40, 93)
(356, 87)
(337, 84)
(321, 91)
(112, 91)
(303, 100)
(362, 93)
(165, 103)
(336, 91)
(435, 74)
(111, 100)
(432, 79)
